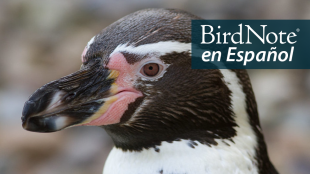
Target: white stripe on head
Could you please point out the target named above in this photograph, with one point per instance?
(91, 41)
(245, 140)
(87, 47)
(160, 48)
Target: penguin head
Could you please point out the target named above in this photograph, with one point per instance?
(136, 82)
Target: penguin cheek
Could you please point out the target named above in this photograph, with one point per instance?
(125, 93)
(115, 107)
(127, 72)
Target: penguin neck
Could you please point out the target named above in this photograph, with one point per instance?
(187, 156)
(243, 153)
(234, 155)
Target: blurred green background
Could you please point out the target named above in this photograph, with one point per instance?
(42, 40)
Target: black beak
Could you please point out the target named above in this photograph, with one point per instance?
(70, 100)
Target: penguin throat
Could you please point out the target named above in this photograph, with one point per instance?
(184, 156)
(127, 139)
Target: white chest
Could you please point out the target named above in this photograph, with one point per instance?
(179, 158)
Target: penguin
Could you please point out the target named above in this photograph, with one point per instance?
(136, 82)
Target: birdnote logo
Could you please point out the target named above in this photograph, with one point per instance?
(247, 56)
(250, 44)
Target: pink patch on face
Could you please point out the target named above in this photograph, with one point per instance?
(116, 109)
(127, 72)
(126, 93)
(84, 53)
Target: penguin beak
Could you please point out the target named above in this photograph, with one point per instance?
(72, 100)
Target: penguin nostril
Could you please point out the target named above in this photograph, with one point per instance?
(70, 96)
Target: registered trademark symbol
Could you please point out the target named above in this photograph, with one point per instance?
(297, 29)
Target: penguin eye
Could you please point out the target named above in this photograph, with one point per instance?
(150, 69)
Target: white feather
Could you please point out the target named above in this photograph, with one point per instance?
(160, 48)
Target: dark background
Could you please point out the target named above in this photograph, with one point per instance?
(42, 40)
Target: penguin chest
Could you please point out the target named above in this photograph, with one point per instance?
(181, 157)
